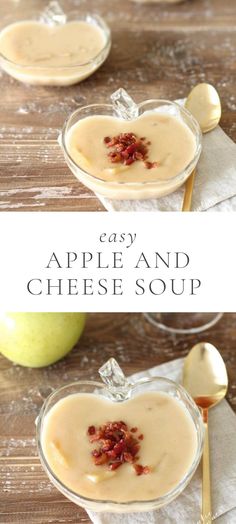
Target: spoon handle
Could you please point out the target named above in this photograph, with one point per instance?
(206, 479)
(188, 193)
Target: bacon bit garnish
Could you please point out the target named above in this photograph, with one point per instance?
(91, 430)
(141, 470)
(101, 459)
(117, 446)
(128, 457)
(115, 465)
(96, 453)
(128, 148)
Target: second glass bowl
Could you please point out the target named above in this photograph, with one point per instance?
(53, 75)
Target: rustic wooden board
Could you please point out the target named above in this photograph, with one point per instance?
(26, 494)
(158, 51)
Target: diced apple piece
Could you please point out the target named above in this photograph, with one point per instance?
(83, 160)
(99, 477)
(115, 170)
(58, 454)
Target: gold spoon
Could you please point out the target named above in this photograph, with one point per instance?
(204, 104)
(205, 378)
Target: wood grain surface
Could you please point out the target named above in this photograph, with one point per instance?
(158, 51)
(26, 494)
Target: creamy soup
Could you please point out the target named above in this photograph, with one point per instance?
(159, 423)
(41, 53)
(168, 146)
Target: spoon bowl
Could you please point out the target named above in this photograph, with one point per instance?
(205, 375)
(203, 102)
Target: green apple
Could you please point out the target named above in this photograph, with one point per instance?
(39, 339)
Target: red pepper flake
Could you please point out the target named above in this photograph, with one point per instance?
(127, 148)
(117, 446)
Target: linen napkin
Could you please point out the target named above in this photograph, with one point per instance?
(215, 182)
(186, 509)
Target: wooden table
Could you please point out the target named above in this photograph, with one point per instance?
(26, 494)
(158, 51)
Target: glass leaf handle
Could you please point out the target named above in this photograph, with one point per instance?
(117, 384)
(124, 105)
(53, 14)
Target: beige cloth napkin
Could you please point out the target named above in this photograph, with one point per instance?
(186, 509)
(215, 183)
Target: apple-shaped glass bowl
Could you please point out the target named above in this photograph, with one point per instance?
(116, 388)
(55, 75)
(124, 108)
